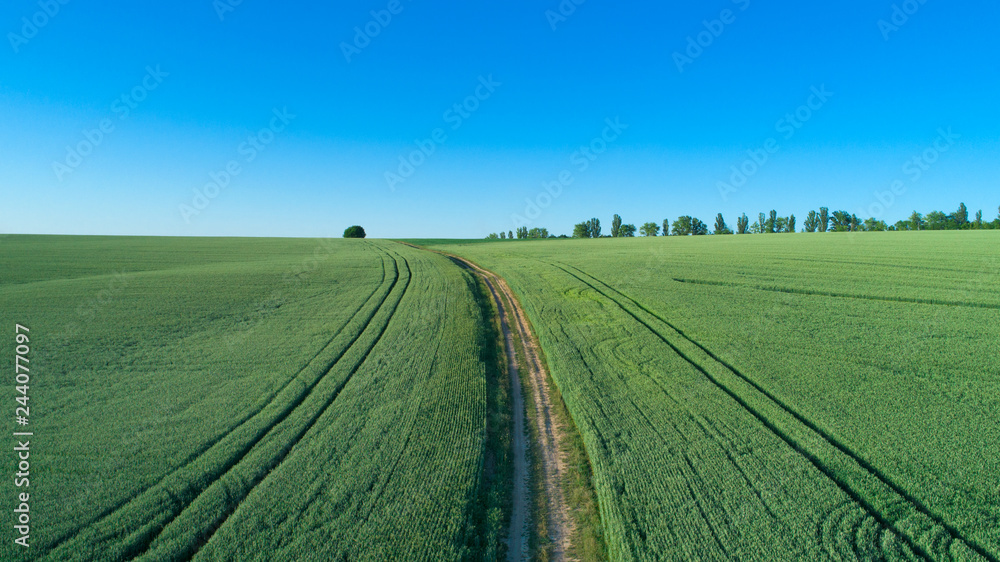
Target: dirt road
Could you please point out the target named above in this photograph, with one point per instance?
(551, 433)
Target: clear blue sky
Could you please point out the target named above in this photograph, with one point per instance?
(217, 81)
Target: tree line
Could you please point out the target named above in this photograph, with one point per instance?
(770, 223)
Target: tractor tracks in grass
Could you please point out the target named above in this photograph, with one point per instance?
(551, 433)
(847, 469)
(833, 294)
(135, 524)
(262, 467)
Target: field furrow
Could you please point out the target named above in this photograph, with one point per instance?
(129, 530)
(746, 414)
(884, 491)
(198, 521)
(794, 291)
(269, 400)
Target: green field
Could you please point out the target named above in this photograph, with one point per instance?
(828, 396)
(268, 399)
(784, 397)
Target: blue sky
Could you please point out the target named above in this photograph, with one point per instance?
(309, 117)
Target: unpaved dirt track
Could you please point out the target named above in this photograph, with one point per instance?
(551, 434)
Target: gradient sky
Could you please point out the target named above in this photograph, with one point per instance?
(221, 72)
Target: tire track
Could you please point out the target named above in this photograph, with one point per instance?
(110, 511)
(913, 502)
(205, 534)
(561, 526)
(792, 291)
(163, 485)
(771, 426)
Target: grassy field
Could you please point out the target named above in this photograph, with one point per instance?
(825, 396)
(270, 399)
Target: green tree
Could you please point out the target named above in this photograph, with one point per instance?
(824, 219)
(771, 226)
(790, 227)
(962, 216)
(840, 221)
(503, 235)
(780, 224)
(666, 227)
(354, 232)
(628, 231)
(682, 226)
(581, 230)
(510, 234)
(536, 233)
(812, 222)
(492, 236)
(522, 232)
(936, 220)
(742, 223)
(761, 223)
(874, 225)
(855, 223)
(916, 221)
(720, 225)
(595, 228)
(698, 228)
(650, 229)
(616, 226)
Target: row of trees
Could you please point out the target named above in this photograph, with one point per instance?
(522, 233)
(816, 221)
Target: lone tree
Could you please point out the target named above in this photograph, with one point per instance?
(354, 232)
(616, 226)
(666, 227)
(650, 229)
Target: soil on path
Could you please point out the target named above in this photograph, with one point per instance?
(551, 433)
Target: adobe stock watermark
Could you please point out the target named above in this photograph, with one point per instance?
(456, 116)
(224, 7)
(364, 35)
(705, 38)
(31, 26)
(562, 12)
(122, 107)
(787, 126)
(248, 151)
(912, 170)
(580, 161)
(901, 14)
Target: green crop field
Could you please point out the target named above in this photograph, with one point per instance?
(781, 397)
(253, 399)
(828, 396)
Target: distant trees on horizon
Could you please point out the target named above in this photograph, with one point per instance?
(771, 223)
